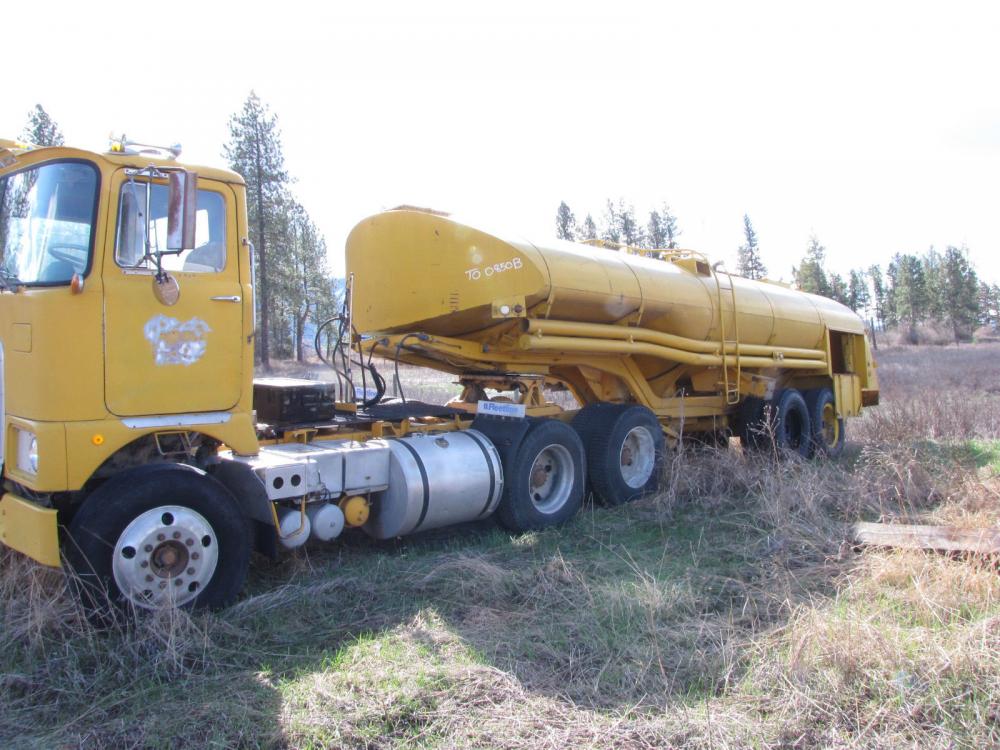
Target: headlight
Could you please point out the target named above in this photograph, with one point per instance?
(27, 452)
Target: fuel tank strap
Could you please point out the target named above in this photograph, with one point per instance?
(489, 465)
(423, 479)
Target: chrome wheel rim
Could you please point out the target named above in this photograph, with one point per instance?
(550, 480)
(637, 457)
(166, 555)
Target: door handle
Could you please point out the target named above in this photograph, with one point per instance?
(226, 298)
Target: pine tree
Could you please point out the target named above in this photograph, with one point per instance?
(656, 231)
(935, 285)
(621, 225)
(41, 129)
(631, 231)
(838, 289)
(670, 229)
(749, 263)
(589, 229)
(989, 305)
(960, 285)
(312, 279)
(565, 223)
(878, 294)
(907, 293)
(612, 225)
(254, 150)
(858, 297)
(810, 276)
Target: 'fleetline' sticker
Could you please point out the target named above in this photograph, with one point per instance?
(500, 409)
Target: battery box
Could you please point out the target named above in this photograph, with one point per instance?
(289, 401)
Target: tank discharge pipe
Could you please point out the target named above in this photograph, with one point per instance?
(668, 340)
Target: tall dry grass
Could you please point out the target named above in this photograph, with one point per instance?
(730, 611)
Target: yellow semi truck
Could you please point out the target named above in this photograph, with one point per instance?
(138, 448)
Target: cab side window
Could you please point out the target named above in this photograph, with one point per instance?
(140, 237)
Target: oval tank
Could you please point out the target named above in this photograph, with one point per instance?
(417, 270)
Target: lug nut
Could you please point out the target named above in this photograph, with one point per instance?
(189, 542)
(194, 555)
(144, 564)
(190, 571)
(178, 582)
(177, 535)
(149, 579)
(148, 548)
(163, 584)
(160, 537)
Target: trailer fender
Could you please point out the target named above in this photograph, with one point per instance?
(505, 433)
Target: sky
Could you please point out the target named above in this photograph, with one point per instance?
(874, 126)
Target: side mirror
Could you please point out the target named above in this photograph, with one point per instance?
(182, 203)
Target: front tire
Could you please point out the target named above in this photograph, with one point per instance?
(157, 536)
(544, 483)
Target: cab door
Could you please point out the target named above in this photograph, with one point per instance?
(180, 358)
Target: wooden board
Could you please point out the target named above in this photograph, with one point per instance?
(943, 538)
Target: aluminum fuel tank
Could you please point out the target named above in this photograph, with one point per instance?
(436, 480)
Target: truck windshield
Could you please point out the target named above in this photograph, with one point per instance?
(46, 222)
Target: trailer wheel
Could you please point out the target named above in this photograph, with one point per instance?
(624, 453)
(828, 435)
(753, 427)
(544, 483)
(587, 422)
(792, 426)
(155, 536)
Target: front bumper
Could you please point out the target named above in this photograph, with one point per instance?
(29, 529)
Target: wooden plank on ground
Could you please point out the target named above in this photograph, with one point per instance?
(942, 538)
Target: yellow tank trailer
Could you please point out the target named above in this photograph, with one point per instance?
(700, 348)
(138, 448)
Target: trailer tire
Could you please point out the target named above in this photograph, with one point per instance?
(544, 481)
(170, 523)
(828, 436)
(792, 426)
(753, 428)
(587, 422)
(625, 451)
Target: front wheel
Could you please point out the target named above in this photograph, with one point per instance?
(158, 536)
(544, 483)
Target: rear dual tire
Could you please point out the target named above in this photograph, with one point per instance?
(828, 435)
(803, 423)
(544, 480)
(617, 448)
(625, 449)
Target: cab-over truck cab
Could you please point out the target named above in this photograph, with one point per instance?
(99, 374)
